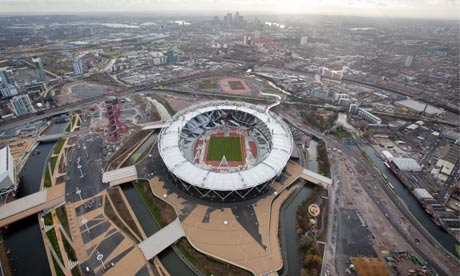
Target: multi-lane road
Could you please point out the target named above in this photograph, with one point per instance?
(402, 208)
(13, 123)
(91, 169)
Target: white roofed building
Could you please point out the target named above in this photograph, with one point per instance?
(219, 182)
(406, 164)
(7, 172)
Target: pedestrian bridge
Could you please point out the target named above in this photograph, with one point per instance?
(316, 178)
(120, 176)
(153, 125)
(31, 204)
(55, 137)
(162, 239)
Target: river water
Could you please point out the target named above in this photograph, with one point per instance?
(23, 238)
(168, 257)
(171, 260)
(292, 240)
(446, 240)
(135, 157)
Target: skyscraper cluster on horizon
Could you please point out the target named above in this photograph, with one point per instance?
(230, 20)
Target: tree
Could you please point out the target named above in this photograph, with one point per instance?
(363, 125)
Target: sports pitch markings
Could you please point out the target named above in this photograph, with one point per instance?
(230, 147)
(236, 85)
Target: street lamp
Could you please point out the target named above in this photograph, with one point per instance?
(99, 257)
(78, 192)
(84, 148)
(85, 221)
(81, 172)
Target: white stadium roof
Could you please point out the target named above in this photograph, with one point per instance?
(262, 172)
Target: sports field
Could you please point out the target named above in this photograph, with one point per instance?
(228, 146)
(236, 85)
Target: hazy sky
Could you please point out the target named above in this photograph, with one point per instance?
(447, 9)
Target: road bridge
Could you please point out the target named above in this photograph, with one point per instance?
(162, 239)
(54, 137)
(31, 204)
(120, 176)
(315, 178)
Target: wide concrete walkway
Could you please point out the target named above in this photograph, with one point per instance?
(31, 204)
(120, 176)
(162, 239)
(315, 178)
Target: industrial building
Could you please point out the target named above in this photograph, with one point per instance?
(7, 172)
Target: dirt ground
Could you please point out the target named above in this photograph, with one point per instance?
(19, 148)
(178, 103)
(383, 236)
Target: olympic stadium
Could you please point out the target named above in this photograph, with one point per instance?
(225, 151)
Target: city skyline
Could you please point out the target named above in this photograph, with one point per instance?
(222, 137)
(430, 9)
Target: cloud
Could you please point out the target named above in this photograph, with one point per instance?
(432, 8)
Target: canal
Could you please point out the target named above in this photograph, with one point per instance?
(445, 239)
(170, 260)
(23, 239)
(139, 153)
(292, 240)
(168, 257)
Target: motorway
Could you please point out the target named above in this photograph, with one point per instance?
(392, 219)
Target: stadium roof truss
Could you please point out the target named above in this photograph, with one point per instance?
(176, 140)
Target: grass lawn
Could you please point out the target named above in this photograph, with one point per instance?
(51, 234)
(142, 188)
(207, 85)
(57, 268)
(165, 214)
(48, 219)
(110, 54)
(47, 181)
(271, 91)
(61, 213)
(72, 123)
(236, 85)
(230, 147)
(59, 145)
(74, 119)
(53, 161)
(60, 72)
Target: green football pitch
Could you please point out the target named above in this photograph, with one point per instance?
(228, 146)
